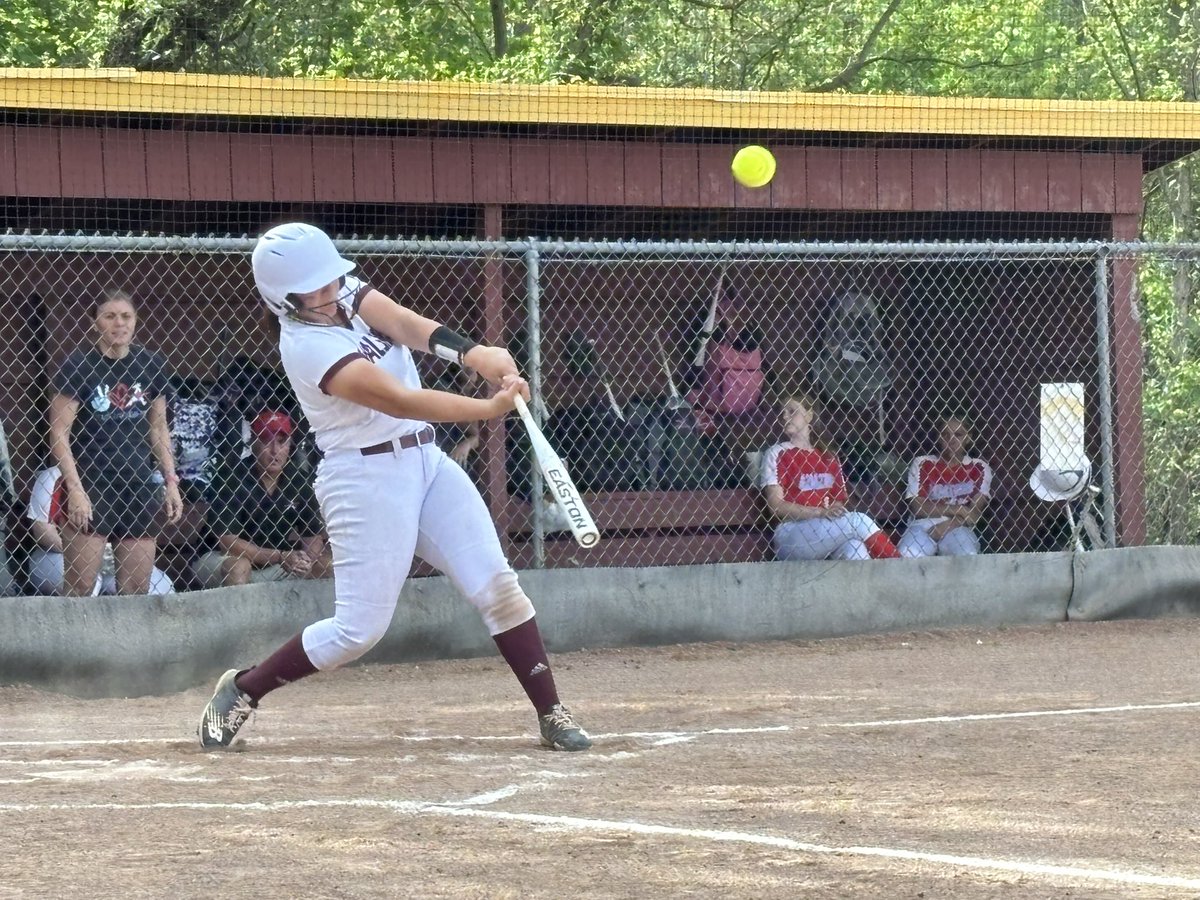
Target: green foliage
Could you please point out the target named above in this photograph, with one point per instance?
(48, 33)
(1106, 49)
(1171, 343)
(1020, 48)
(1015, 48)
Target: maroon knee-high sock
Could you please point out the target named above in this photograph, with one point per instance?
(525, 654)
(287, 664)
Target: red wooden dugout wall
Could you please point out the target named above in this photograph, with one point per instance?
(124, 159)
(135, 164)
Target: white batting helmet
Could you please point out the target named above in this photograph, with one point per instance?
(294, 259)
(1061, 484)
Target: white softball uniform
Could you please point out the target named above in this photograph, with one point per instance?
(382, 509)
(814, 478)
(933, 478)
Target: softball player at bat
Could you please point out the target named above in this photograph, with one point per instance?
(947, 494)
(806, 491)
(387, 492)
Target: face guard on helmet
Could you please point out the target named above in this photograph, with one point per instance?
(294, 259)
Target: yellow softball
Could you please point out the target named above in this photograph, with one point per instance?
(753, 166)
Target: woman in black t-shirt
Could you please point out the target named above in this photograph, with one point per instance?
(108, 434)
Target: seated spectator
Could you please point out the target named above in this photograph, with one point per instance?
(193, 419)
(240, 392)
(947, 493)
(459, 442)
(806, 491)
(46, 503)
(264, 517)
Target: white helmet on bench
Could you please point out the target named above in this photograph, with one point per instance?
(1054, 484)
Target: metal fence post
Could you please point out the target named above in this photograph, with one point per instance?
(533, 352)
(1104, 351)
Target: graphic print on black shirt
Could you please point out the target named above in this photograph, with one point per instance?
(111, 431)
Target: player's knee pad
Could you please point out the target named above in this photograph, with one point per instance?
(502, 603)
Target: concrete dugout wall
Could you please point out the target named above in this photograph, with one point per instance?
(132, 646)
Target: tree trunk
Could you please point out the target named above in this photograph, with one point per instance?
(499, 29)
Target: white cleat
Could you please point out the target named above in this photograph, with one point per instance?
(226, 713)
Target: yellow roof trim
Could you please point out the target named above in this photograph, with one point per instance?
(125, 90)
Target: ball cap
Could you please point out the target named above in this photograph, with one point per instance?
(271, 424)
(1060, 484)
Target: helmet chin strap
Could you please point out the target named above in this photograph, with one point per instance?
(337, 318)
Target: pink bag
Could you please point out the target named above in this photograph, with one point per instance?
(733, 379)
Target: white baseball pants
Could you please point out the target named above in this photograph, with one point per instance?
(379, 512)
(916, 542)
(840, 538)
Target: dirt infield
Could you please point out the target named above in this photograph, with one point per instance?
(1028, 762)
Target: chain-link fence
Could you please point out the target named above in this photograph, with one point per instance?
(714, 401)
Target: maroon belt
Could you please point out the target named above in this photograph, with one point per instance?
(404, 442)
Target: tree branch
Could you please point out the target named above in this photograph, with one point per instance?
(182, 30)
(1191, 77)
(958, 64)
(729, 6)
(1116, 76)
(1140, 93)
(467, 13)
(846, 77)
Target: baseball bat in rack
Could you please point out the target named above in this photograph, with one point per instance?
(676, 401)
(602, 373)
(710, 322)
(566, 495)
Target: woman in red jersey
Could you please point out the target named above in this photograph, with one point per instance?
(946, 493)
(806, 492)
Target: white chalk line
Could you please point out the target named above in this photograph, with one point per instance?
(43, 771)
(576, 823)
(1031, 714)
(665, 737)
(81, 771)
(249, 758)
(489, 797)
(93, 742)
(406, 738)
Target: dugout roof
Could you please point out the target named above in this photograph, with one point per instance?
(1160, 132)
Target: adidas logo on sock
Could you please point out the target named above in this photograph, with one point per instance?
(539, 669)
